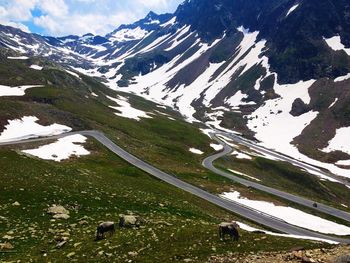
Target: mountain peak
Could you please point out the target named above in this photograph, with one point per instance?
(151, 14)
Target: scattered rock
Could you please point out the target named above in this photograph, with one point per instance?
(307, 260)
(133, 254)
(57, 209)
(342, 259)
(58, 212)
(6, 246)
(297, 249)
(61, 244)
(77, 244)
(297, 254)
(71, 254)
(16, 204)
(337, 254)
(83, 222)
(128, 221)
(61, 216)
(164, 223)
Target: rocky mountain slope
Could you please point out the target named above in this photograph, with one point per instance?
(275, 71)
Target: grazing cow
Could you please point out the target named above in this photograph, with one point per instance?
(106, 227)
(230, 229)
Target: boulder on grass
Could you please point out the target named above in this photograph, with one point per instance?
(128, 221)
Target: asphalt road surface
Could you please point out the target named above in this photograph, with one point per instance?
(236, 208)
(252, 145)
(208, 163)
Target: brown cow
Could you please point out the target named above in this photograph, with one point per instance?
(106, 227)
(230, 229)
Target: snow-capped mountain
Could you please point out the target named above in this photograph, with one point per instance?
(276, 70)
(139, 29)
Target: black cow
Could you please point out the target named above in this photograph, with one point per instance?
(106, 227)
(230, 229)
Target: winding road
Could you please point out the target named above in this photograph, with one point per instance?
(208, 163)
(236, 208)
(252, 145)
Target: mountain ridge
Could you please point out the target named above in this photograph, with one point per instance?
(244, 66)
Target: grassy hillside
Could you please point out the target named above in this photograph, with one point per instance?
(97, 188)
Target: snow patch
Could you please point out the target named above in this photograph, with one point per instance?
(245, 175)
(247, 56)
(15, 91)
(237, 100)
(343, 163)
(292, 9)
(26, 128)
(126, 110)
(36, 67)
(216, 147)
(196, 151)
(342, 78)
(61, 150)
(340, 142)
(73, 74)
(291, 215)
(333, 103)
(124, 35)
(248, 228)
(171, 22)
(336, 44)
(240, 155)
(18, 58)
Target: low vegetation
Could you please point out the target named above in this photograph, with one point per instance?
(97, 188)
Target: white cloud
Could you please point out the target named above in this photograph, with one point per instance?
(81, 23)
(18, 25)
(153, 3)
(64, 17)
(56, 8)
(48, 23)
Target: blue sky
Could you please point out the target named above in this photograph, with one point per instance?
(65, 17)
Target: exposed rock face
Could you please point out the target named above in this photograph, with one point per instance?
(299, 108)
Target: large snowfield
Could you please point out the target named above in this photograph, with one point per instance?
(61, 150)
(291, 215)
(27, 127)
